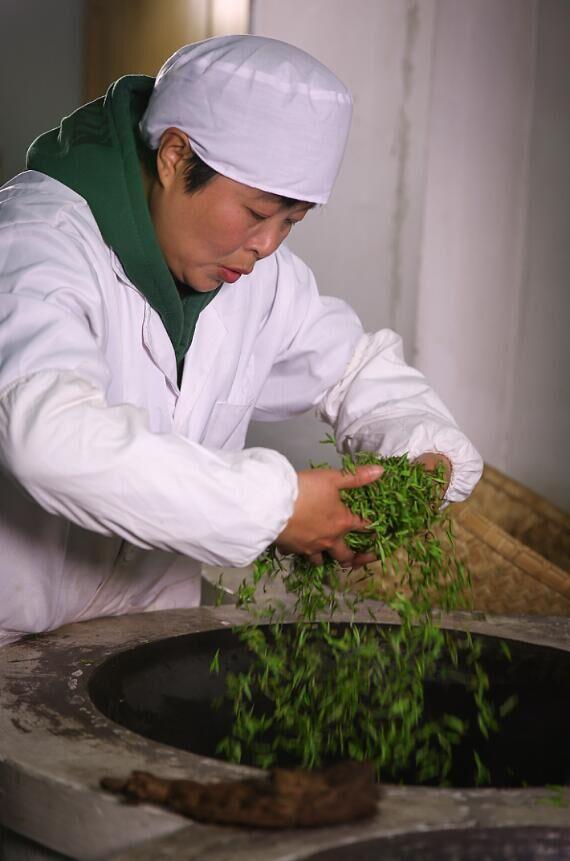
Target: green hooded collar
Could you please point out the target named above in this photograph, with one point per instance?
(95, 152)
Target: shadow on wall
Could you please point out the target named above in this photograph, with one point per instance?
(40, 72)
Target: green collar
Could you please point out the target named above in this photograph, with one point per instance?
(94, 152)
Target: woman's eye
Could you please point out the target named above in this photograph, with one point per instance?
(258, 215)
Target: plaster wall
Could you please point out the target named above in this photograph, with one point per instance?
(539, 425)
(449, 222)
(475, 212)
(493, 284)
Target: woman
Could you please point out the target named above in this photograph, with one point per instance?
(150, 310)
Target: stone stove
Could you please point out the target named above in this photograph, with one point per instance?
(55, 745)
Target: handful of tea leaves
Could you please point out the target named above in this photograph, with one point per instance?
(317, 690)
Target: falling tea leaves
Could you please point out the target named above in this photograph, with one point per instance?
(317, 690)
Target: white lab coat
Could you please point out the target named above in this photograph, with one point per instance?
(115, 484)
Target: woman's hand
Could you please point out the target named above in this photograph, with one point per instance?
(320, 520)
(431, 459)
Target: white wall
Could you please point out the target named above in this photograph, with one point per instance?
(475, 211)
(538, 440)
(494, 310)
(451, 219)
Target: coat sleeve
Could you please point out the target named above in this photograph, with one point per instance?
(99, 465)
(309, 339)
(359, 383)
(382, 404)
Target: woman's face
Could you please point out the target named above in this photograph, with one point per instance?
(219, 232)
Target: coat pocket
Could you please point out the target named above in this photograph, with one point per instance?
(228, 426)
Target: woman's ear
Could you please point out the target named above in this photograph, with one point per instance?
(173, 151)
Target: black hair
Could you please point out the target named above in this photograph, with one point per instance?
(197, 173)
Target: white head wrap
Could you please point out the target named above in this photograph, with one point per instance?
(256, 110)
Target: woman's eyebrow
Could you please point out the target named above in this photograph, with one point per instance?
(267, 197)
(272, 199)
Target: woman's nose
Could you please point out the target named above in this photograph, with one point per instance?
(266, 239)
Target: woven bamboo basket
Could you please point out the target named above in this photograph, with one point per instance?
(516, 546)
(523, 514)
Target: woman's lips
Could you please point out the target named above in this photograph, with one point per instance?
(230, 275)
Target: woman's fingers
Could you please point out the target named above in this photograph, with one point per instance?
(363, 475)
(341, 552)
(361, 559)
(432, 459)
(320, 519)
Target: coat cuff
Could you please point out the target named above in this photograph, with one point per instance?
(414, 438)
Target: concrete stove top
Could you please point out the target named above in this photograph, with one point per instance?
(55, 746)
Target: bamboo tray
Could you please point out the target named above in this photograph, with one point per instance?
(516, 546)
(507, 576)
(523, 514)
